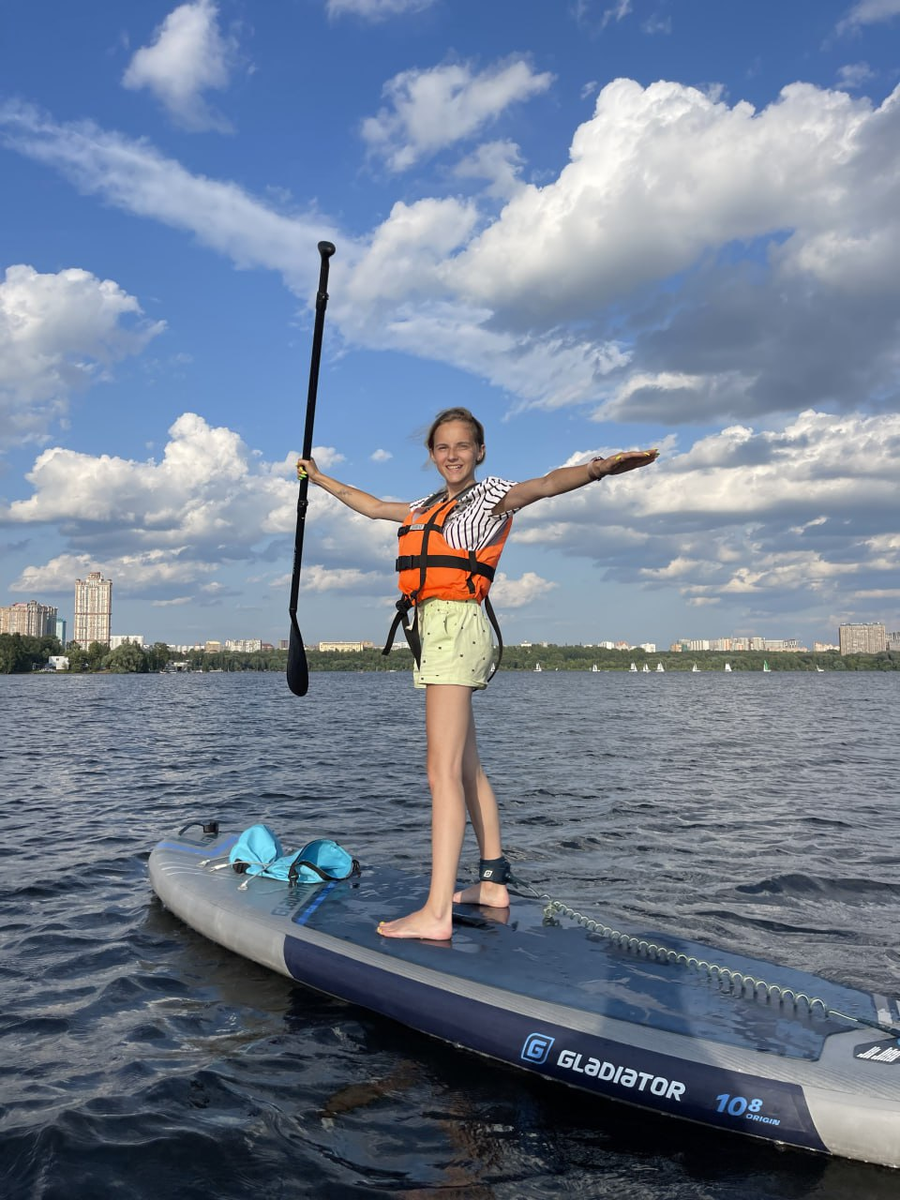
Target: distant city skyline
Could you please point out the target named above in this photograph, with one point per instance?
(164, 632)
(95, 594)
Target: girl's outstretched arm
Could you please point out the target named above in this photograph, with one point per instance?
(567, 479)
(359, 501)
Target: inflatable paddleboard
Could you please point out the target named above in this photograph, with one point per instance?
(654, 1021)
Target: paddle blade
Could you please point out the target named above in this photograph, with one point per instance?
(297, 667)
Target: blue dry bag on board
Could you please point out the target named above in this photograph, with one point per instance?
(259, 852)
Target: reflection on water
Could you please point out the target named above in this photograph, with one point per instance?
(755, 812)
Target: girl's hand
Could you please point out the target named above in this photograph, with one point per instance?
(618, 464)
(307, 469)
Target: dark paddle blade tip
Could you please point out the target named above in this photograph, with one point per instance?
(297, 667)
(326, 249)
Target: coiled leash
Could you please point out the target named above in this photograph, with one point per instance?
(498, 870)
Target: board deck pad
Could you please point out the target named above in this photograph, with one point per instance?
(513, 949)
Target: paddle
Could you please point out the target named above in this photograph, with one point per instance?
(297, 668)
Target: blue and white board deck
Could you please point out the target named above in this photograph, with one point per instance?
(804, 1065)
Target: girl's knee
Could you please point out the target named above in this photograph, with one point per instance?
(442, 771)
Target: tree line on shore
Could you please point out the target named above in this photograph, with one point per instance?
(20, 654)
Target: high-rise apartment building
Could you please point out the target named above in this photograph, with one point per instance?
(31, 619)
(93, 610)
(862, 639)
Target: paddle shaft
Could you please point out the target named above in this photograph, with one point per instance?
(297, 668)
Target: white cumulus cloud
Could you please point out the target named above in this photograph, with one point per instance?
(766, 520)
(517, 593)
(694, 260)
(658, 175)
(58, 333)
(208, 501)
(429, 110)
(498, 163)
(160, 527)
(189, 56)
(755, 521)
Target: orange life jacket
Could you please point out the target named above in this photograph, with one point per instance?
(431, 569)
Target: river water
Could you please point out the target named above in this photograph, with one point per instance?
(756, 812)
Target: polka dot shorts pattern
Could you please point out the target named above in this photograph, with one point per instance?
(456, 644)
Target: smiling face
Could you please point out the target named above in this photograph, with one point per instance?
(456, 454)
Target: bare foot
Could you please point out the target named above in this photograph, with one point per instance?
(418, 925)
(491, 895)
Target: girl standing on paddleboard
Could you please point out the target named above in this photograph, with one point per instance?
(450, 544)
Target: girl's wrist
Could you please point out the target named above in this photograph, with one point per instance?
(592, 477)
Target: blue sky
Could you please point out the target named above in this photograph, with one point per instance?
(628, 223)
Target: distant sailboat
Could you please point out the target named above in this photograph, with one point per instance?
(765, 665)
(633, 667)
(645, 668)
(695, 669)
(660, 667)
(595, 667)
(728, 666)
(538, 667)
(821, 670)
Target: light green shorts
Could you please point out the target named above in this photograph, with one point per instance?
(456, 644)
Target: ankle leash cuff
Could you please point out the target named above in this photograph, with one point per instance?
(494, 870)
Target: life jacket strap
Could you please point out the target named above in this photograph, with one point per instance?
(492, 617)
(410, 562)
(418, 527)
(411, 632)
